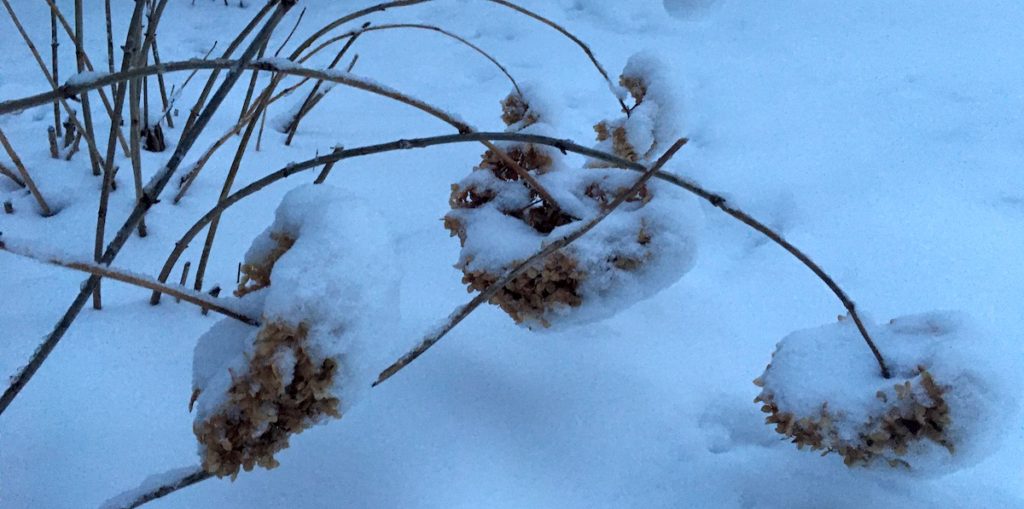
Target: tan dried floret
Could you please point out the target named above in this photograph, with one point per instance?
(515, 110)
(264, 408)
(256, 275)
(907, 419)
(636, 86)
(529, 296)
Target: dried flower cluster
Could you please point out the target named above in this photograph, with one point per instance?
(912, 411)
(630, 138)
(493, 208)
(285, 391)
(256, 273)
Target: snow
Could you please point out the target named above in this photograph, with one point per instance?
(883, 138)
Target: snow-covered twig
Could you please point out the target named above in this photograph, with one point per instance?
(157, 486)
(150, 197)
(180, 293)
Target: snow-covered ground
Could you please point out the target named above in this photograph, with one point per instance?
(886, 139)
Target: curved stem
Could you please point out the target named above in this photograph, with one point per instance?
(586, 49)
(564, 145)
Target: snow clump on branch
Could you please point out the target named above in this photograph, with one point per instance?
(324, 281)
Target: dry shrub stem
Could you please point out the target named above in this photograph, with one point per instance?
(212, 80)
(46, 73)
(586, 49)
(151, 195)
(54, 64)
(179, 293)
(186, 480)
(25, 177)
(88, 65)
(90, 130)
(229, 181)
(313, 98)
(7, 172)
(134, 27)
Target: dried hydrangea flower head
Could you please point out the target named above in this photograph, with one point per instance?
(501, 221)
(928, 418)
(285, 390)
(651, 122)
(323, 279)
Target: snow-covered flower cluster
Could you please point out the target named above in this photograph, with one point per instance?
(938, 413)
(652, 123)
(323, 280)
(501, 220)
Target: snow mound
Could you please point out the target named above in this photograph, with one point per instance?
(941, 411)
(647, 244)
(323, 279)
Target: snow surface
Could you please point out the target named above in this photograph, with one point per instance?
(884, 138)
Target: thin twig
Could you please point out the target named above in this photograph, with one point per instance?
(110, 36)
(150, 197)
(229, 180)
(313, 97)
(212, 79)
(184, 276)
(290, 34)
(54, 44)
(307, 103)
(134, 28)
(25, 177)
(5, 171)
(179, 293)
(586, 49)
(324, 173)
(249, 91)
(186, 479)
(163, 89)
(90, 132)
